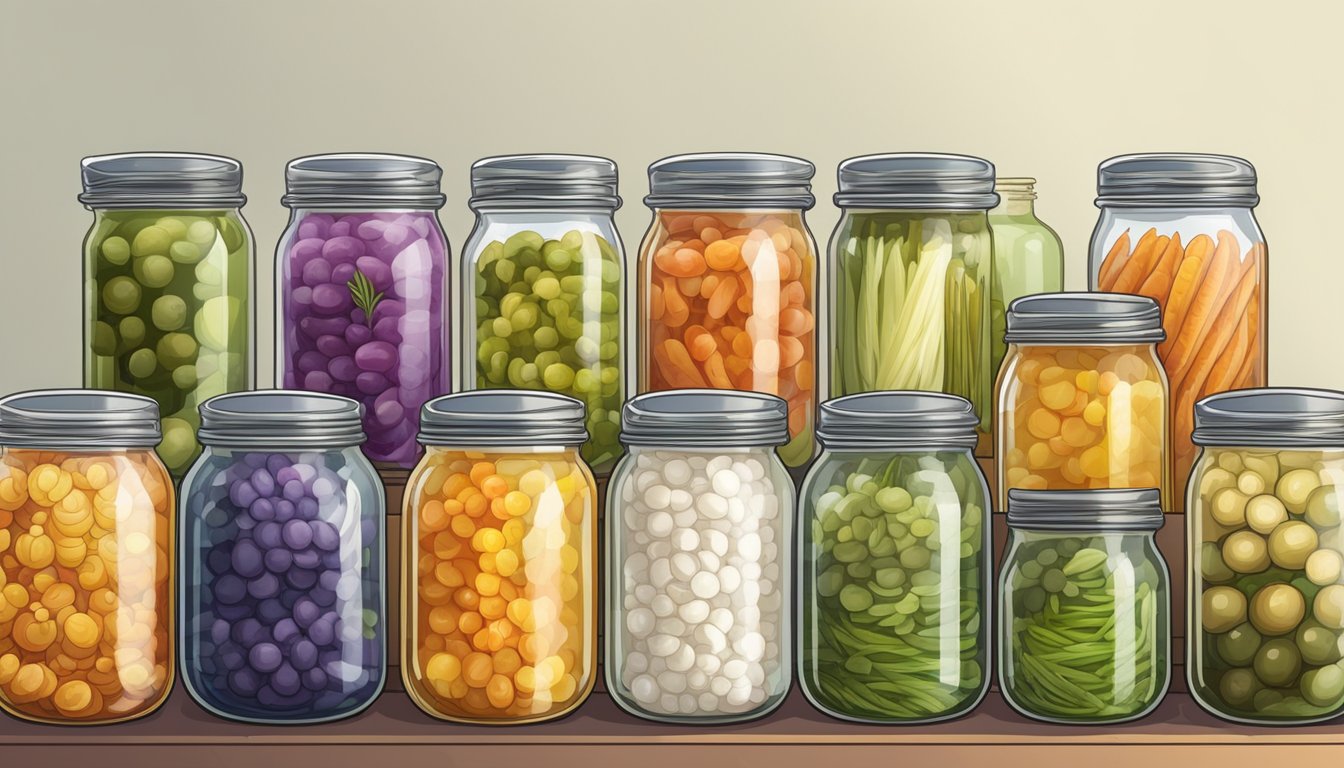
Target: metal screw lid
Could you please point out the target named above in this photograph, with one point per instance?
(279, 418)
(897, 420)
(730, 180)
(917, 181)
(1131, 509)
(366, 180)
(503, 417)
(710, 418)
(1176, 179)
(1271, 417)
(78, 419)
(167, 179)
(1084, 318)
(544, 181)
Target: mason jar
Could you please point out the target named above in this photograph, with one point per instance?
(283, 592)
(167, 285)
(1028, 254)
(1082, 398)
(86, 575)
(1179, 228)
(699, 514)
(910, 279)
(727, 287)
(499, 579)
(894, 561)
(543, 290)
(1266, 590)
(362, 291)
(1084, 626)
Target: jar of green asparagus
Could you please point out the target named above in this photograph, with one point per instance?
(911, 271)
(895, 561)
(1085, 622)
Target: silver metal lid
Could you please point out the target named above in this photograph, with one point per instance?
(1176, 179)
(731, 180)
(895, 420)
(503, 417)
(365, 180)
(707, 418)
(1128, 509)
(1084, 318)
(166, 179)
(1271, 417)
(78, 418)
(917, 181)
(544, 181)
(280, 418)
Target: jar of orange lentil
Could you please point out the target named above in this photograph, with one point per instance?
(1082, 397)
(727, 282)
(1179, 228)
(86, 558)
(499, 583)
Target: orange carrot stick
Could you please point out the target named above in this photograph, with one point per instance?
(1210, 302)
(1158, 284)
(1140, 265)
(1230, 324)
(1114, 260)
(1183, 290)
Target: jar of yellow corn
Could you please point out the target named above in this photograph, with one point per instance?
(1082, 397)
(499, 551)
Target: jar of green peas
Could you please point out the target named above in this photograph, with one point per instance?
(895, 561)
(1085, 621)
(543, 288)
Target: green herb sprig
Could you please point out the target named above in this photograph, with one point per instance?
(362, 291)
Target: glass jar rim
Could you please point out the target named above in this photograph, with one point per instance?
(704, 417)
(185, 180)
(1104, 509)
(280, 419)
(897, 420)
(78, 418)
(543, 182)
(503, 417)
(916, 181)
(731, 181)
(1176, 179)
(363, 180)
(1081, 318)
(1272, 417)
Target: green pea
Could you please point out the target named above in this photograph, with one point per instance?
(855, 598)
(153, 271)
(1317, 644)
(168, 312)
(915, 557)
(559, 259)
(585, 381)
(185, 252)
(175, 349)
(1239, 645)
(893, 499)
(142, 363)
(1323, 687)
(501, 327)
(153, 240)
(121, 295)
(184, 377)
(1278, 662)
(546, 288)
(132, 331)
(519, 242)
(558, 377)
(504, 270)
(179, 442)
(116, 250)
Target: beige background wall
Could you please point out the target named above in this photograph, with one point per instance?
(1041, 88)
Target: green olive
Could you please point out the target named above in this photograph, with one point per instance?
(142, 363)
(179, 442)
(152, 240)
(1264, 513)
(1238, 646)
(1295, 487)
(1222, 609)
(1246, 552)
(1323, 507)
(1323, 687)
(1317, 644)
(1324, 567)
(116, 250)
(132, 331)
(1238, 687)
(1278, 662)
(1328, 607)
(1291, 543)
(1211, 565)
(1251, 483)
(1229, 507)
(153, 271)
(121, 295)
(1277, 609)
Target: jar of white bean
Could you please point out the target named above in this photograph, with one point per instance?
(699, 515)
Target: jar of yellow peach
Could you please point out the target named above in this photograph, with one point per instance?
(86, 558)
(1082, 397)
(499, 578)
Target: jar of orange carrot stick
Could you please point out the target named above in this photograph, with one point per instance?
(1179, 228)
(727, 276)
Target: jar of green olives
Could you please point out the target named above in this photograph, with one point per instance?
(1266, 594)
(167, 285)
(1085, 621)
(542, 280)
(895, 561)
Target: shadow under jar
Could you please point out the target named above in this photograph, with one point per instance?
(543, 290)
(86, 570)
(283, 586)
(362, 283)
(894, 561)
(499, 561)
(1266, 575)
(699, 514)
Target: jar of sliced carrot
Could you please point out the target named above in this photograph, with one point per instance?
(727, 282)
(1082, 400)
(1179, 228)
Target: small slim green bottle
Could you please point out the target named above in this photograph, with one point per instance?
(1028, 255)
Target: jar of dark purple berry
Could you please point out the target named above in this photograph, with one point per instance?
(283, 587)
(362, 279)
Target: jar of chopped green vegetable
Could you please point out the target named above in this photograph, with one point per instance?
(911, 269)
(895, 561)
(1084, 627)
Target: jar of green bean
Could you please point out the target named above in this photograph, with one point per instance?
(895, 561)
(543, 287)
(1085, 622)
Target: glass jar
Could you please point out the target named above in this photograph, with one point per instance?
(1179, 228)
(1084, 626)
(698, 594)
(1082, 397)
(362, 283)
(894, 554)
(1266, 595)
(283, 616)
(86, 558)
(910, 278)
(167, 286)
(1028, 254)
(499, 560)
(727, 282)
(542, 289)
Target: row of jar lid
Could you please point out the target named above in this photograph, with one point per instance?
(728, 179)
